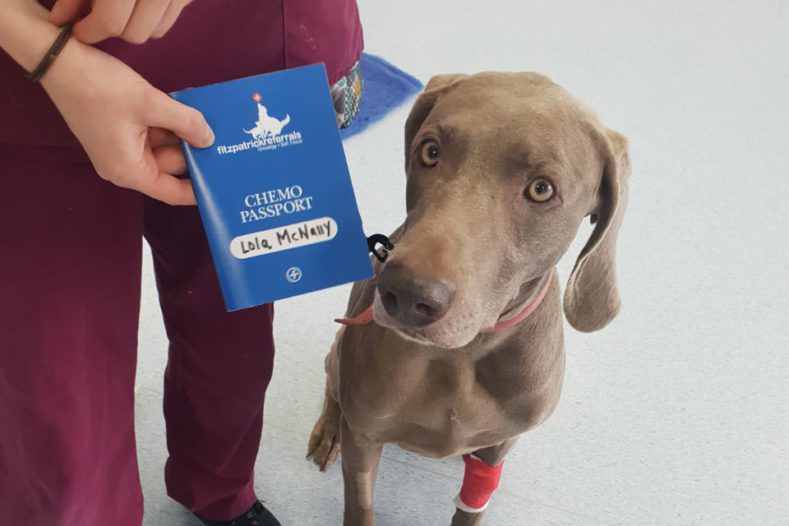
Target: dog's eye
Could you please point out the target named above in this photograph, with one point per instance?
(430, 153)
(540, 190)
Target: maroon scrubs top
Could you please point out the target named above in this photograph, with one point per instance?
(212, 41)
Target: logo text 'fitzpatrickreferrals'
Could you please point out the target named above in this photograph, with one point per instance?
(269, 143)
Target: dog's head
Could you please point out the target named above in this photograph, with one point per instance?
(502, 169)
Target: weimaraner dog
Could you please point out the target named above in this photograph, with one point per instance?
(456, 347)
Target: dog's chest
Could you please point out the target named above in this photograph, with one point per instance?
(434, 407)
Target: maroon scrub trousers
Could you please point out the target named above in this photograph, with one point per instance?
(70, 262)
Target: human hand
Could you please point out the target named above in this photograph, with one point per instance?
(127, 127)
(132, 20)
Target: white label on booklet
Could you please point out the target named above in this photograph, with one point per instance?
(284, 238)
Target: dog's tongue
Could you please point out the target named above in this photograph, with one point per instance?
(362, 319)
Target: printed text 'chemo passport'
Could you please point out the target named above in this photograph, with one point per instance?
(274, 191)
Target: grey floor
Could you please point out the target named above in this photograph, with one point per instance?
(675, 414)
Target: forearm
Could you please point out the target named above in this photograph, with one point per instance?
(25, 32)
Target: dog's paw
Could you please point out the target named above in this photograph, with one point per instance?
(324, 444)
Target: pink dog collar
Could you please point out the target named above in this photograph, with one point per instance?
(479, 483)
(366, 316)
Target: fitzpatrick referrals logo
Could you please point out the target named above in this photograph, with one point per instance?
(268, 133)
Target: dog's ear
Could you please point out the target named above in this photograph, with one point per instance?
(424, 103)
(591, 299)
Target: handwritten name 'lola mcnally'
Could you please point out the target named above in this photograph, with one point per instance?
(274, 203)
(284, 238)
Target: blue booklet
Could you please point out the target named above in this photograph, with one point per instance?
(274, 191)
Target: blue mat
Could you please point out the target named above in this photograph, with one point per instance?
(385, 88)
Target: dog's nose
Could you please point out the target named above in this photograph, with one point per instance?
(413, 300)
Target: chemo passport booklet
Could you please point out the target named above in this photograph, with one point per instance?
(274, 190)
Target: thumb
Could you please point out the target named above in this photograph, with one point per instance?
(65, 11)
(184, 121)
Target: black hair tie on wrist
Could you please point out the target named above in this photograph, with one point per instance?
(52, 54)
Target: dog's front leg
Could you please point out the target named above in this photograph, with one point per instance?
(360, 461)
(492, 457)
(464, 518)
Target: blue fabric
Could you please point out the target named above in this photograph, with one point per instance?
(385, 88)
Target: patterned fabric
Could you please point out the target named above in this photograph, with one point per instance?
(347, 95)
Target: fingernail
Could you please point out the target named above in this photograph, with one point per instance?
(209, 137)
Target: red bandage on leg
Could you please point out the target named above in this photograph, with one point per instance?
(479, 483)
